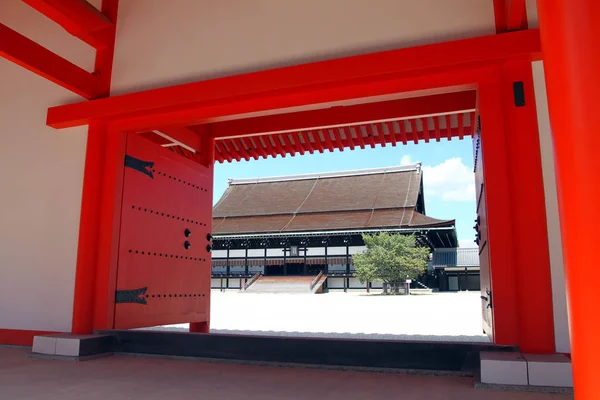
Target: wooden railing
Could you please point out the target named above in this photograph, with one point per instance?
(316, 280)
(251, 280)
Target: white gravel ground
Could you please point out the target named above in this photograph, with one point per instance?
(438, 316)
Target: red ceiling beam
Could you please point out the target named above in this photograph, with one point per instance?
(41, 61)
(317, 140)
(337, 139)
(510, 15)
(449, 127)
(250, 149)
(297, 145)
(348, 134)
(307, 143)
(460, 62)
(436, 128)
(79, 18)
(181, 136)
(153, 137)
(390, 127)
(413, 131)
(267, 147)
(425, 123)
(359, 137)
(349, 115)
(377, 129)
(403, 137)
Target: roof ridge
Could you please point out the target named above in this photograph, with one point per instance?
(325, 175)
(317, 212)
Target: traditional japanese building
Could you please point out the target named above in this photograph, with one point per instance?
(456, 269)
(307, 224)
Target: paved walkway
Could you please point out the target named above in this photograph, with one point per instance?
(357, 315)
(121, 377)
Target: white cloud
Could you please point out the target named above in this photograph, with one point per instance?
(406, 160)
(466, 243)
(451, 180)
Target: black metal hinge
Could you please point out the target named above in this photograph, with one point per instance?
(131, 296)
(139, 165)
(488, 298)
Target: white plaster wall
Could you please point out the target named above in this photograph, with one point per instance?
(41, 173)
(256, 252)
(353, 282)
(236, 253)
(336, 251)
(274, 252)
(316, 251)
(163, 43)
(219, 253)
(357, 249)
(559, 296)
(335, 283)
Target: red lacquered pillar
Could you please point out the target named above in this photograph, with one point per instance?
(570, 34)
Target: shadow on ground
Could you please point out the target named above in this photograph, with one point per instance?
(337, 335)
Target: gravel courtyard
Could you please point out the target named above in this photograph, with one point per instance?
(438, 316)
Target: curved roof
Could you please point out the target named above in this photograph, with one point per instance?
(363, 199)
(374, 189)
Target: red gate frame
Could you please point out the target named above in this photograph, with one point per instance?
(524, 313)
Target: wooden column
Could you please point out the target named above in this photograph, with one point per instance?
(246, 261)
(570, 35)
(228, 269)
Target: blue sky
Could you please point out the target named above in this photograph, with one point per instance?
(447, 173)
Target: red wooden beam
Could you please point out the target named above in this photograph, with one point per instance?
(79, 18)
(362, 113)
(436, 128)
(297, 143)
(317, 140)
(286, 144)
(390, 128)
(413, 129)
(461, 130)
(449, 127)
(510, 15)
(268, 146)
(260, 149)
(222, 152)
(307, 143)
(377, 130)
(337, 138)
(460, 62)
(250, 149)
(235, 143)
(425, 123)
(348, 134)
(359, 137)
(181, 136)
(326, 139)
(228, 146)
(370, 139)
(403, 136)
(278, 147)
(153, 137)
(41, 61)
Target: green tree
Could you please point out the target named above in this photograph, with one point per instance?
(391, 259)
